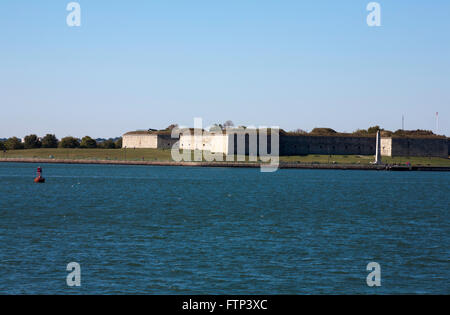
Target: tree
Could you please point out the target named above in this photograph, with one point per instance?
(118, 143)
(69, 142)
(13, 144)
(88, 143)
(2, 146)
(323, 131)
(216, 127)
(414, 133)
(373, 129)
(228, 124)
(32, 142)
(107, 144)
(300, 131)
(50, 141)
(360, 132)
(171, 127)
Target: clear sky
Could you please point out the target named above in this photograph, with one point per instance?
(290, 63)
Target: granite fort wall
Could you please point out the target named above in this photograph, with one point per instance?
(148, 141)
(386, 146)
(298, 144)
(323, 145)
(166, 142)
(427, 147)
(140, 141)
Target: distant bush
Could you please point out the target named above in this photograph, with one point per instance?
(69, 142)
(107, 144)
(323, 131)
(228, 124)
(373, 129)
(361, 132)
(32, 142)
(369, 131)
(386, 133)
(88, 143)
(418, 132)
(14, 144)
(118, 143)
(172, 126)
(50, 141)
(299, 132)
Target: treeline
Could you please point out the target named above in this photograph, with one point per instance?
(367, 132)
(50, 141)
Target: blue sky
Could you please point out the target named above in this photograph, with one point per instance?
(295, 64)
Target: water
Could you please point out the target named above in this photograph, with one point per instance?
(174, 230)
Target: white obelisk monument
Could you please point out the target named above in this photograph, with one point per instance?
(378, 150)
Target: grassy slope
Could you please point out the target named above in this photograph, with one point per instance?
(93, 154)
(165, 155)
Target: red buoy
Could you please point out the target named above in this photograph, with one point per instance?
(39, 178)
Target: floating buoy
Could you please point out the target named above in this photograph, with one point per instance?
(39, 179)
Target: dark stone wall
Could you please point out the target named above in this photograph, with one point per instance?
(426, 147)
(303, 145)
(166, 141)
(246, 138)
(350, 145)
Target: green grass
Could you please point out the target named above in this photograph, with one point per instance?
(165, 155)
(92, 154)
(364, 160)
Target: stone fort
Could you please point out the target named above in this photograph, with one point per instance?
(289, 144)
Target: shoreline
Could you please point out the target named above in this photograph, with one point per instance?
(282, 165)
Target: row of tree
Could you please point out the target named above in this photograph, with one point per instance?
(50, 141)
(370, 131)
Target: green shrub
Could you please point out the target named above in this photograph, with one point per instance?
(323, 131)
(50, 141)
(107, 144)
(14, 143)
(69, 143)
(88, 143)
(32, 142)
(118, 143)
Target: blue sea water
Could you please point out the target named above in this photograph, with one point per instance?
(181, 230)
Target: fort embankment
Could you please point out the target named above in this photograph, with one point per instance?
(282, 165)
